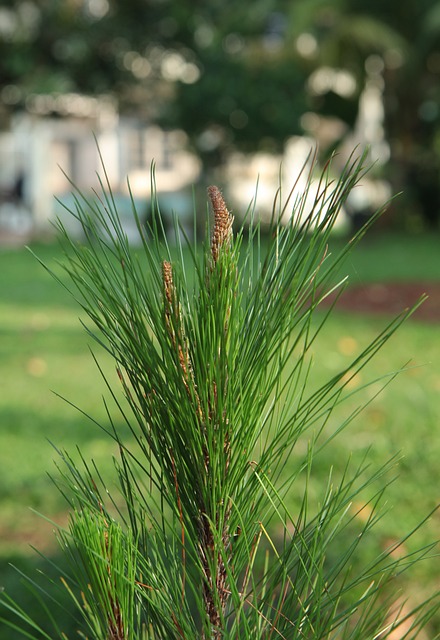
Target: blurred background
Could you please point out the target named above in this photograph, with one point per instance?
(232, 93)
(216, 91)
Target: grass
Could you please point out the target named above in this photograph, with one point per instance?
(44, 347)
(394, 256)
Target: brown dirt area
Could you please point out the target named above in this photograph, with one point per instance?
(391, 298)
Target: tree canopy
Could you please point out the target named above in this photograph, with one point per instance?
(237, 75)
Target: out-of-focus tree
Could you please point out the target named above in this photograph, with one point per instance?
(240, 75)
(86, 46)
(223, 71)
(412, 106)
(401, 40)
(250, 87)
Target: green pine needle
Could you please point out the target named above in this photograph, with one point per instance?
(213, 391)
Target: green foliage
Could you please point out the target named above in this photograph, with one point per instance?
(236, 76)
(262, 106)
(215, 392)
(104, 561)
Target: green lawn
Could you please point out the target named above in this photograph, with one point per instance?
(44, 348)
(394, 256)
(44, 352)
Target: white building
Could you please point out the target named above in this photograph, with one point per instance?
(59, 140)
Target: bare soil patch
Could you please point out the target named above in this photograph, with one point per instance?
(391, 298)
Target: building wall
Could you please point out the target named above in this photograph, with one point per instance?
(49, 152)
